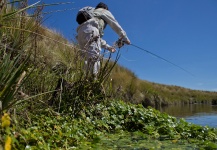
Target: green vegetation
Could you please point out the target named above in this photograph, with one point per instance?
(110, 125)
(47, 101)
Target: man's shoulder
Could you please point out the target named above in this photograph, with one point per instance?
(101, 11)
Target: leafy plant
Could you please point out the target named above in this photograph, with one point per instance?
(10, 73)
(114, 119)
(13, 51)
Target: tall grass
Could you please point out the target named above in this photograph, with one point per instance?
(22, 53)
(11, 71)
(13, 44)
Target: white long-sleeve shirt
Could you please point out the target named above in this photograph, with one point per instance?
(103, 17)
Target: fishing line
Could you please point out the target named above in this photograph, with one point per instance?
(161, 58)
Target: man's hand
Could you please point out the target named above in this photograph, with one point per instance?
(120, 42)
(127, 42)
(112, 49)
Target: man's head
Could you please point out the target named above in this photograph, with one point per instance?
(102, 5)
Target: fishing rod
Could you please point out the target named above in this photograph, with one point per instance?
(120, 43)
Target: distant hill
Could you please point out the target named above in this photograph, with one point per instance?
(136, 90)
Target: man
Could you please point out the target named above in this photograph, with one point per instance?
(90, 35)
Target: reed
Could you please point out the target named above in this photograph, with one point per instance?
(13, 46)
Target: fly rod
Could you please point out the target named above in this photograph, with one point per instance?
(119, 43)
(161, 58)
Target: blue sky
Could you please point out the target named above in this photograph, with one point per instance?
(181, 31)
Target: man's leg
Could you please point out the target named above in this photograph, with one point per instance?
(90, 44)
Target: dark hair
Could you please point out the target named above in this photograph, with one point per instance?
(102, 5)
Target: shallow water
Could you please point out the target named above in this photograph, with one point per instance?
(201, 114)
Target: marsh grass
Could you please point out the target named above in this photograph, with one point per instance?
(13, 57)
(79, 88)
(10, 73)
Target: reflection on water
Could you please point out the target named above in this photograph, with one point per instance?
(202, 114)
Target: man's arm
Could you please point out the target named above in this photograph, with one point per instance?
(112, 22)
(106, 46)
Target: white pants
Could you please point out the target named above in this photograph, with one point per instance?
(90, 46)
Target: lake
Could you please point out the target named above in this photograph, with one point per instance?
(201, 114)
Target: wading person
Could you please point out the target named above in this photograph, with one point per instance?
(92, 22)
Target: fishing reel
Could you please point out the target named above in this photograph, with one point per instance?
(119, 43)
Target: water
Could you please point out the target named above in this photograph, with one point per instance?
(204, 119)
(201, 114)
